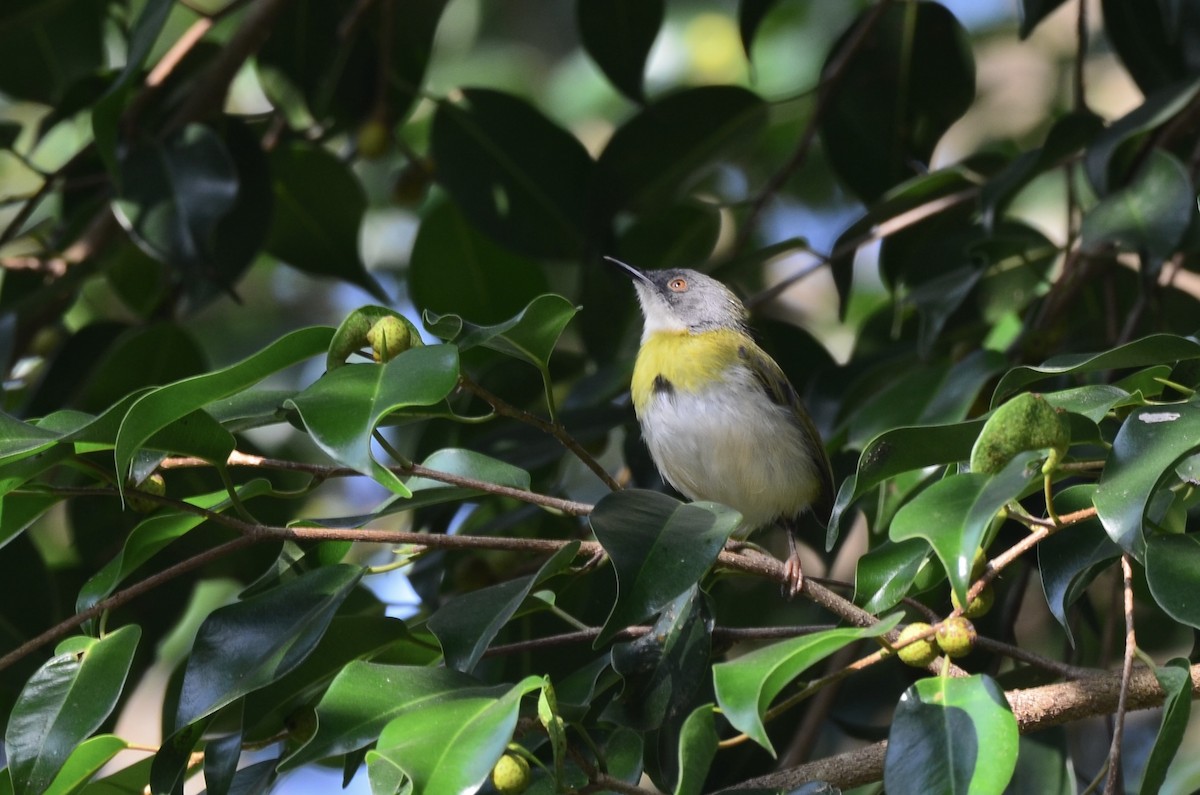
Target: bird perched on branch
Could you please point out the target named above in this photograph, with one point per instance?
(721, 420)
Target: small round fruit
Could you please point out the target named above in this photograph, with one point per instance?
(978, 564)
(511, 775)
(374, 139)
(956, 636)
(980, 605)
(389, 337)
(156, 485)
(918, 653)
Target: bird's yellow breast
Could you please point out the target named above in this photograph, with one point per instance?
(687, 361)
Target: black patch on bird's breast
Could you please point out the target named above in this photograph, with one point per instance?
(662, 386)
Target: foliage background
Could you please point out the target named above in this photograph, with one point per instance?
(192, 191)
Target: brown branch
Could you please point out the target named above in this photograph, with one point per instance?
(1081, 50)
(1034, 708)
(1111, 781)
(719, 634)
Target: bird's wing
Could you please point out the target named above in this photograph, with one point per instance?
(780, 390)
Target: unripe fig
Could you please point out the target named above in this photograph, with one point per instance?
(980, 605)
(956, 636)
(389, 337)
(156, 485)
(511, 775)
(919, 653)
(374, 139)
(1027, 422)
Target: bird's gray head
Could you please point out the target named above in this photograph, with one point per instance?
(678, 299)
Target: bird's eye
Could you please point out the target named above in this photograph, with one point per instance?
(677, 285)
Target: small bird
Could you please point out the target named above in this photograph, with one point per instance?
(721, 420)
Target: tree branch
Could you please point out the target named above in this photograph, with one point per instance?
(1112, 780)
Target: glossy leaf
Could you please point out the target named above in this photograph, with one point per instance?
(517, 176)
(455, 269)
(1147, 448)
(67, 699)
(659, 548)
(1093, 402)
(1149, 216)
(173, 195)
(319, 207)
(343, 408)
(911, 78)
(156, 410)
(151, 536)
(1150, 41)
(1173, 572)
(467, 624)
(885, 575)
(951, 735)
(1070, 560)
(746, 686)
(697, 747)
(1150, 350)
(1176, 681)
(659, 154)
(618, 35)
(954, 514)
(277, 627)
(448, 747)
(84, 762)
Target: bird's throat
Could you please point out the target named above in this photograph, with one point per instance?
(682, 361)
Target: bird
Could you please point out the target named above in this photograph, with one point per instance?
(719, 417)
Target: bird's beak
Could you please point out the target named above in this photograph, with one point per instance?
(630, 270)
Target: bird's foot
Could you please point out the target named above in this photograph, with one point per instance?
(793, 572)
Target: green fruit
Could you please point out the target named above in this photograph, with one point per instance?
(374, 139)
(978, 565)
(1027, 422)
(156, 485)
(980, 605)
(511, 775)
(918, 653)
(956, 636)
(389, 337)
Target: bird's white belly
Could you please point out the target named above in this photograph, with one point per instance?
(734, 446)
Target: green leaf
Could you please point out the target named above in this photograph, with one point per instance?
(455, 269)
(676, 236)
(48, 46)
(1093, 402)
(354, 334)
(67, 699)
(467, 624)
(276, 629)
(319, 207)
(750, 15)
(746, 686)
(1147, 351)
(1176, 681)
(1147, 448)
(517, 176)
(20, 440)
(1033, 12)
(159, 408)
(951, 735)
(1173, 572)
(954, 514)
(84, 762)
(364, 697)
(903, 88)
(659, 547)
(449, 746)
(1070, 560)
(884, 575)
(659, 154)
(697, 748)
(618, 35)
(1151, 41)
(344, 407)
(903, 450)
(154, 534)
(1150, 216)
(174, 193)
(530, 336)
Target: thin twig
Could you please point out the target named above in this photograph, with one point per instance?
(1114, 752)
(1065, 670)
(1081, 50)
(555, 429)
(719, 634)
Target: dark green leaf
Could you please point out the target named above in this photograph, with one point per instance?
(746, 686)
(156, 410)
(1151, 350)
(342, 410)
(467, 624)
(951, 735)
(1176, 681)
(1093, 402)
(659, 547)
(954, 514)
(319, 207)
(1149, 216)
(618, 35)
(454, 269)
(46, 46)
(517, 176)
(448, 747)
(63, 703)
(1173, 572)
(1149, 42)
(678, 236)
(884, 575)
(750, 15)
(276, 630)
(1033, 12)
(659, 154)
(1147, 448)
(910, 79)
